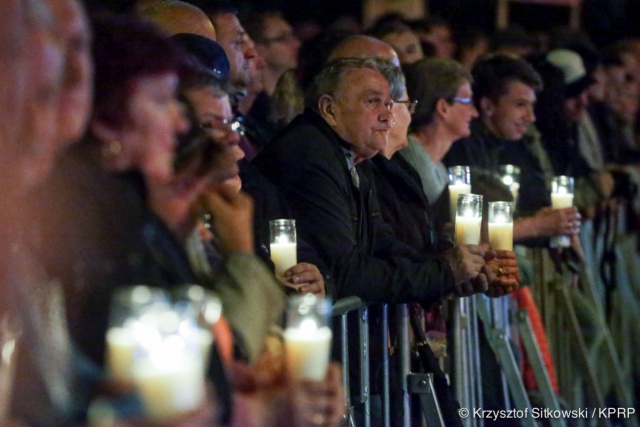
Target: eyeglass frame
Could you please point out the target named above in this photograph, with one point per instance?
(283, 38)
(411, 104)
(230, 125)
(468, 101)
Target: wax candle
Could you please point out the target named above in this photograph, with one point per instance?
(170, 381)
(307, 350)
(284, 255)
(120, 348)
(561, 198)
(454, 191)
(467, 230)
(501, 225)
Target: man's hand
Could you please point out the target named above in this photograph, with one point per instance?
(318, 403)
(306, 279)
(467, 261)
(232, 219)
(558, 222)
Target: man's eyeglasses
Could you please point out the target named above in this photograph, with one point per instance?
(284, 38)
(219, 127)
(411, 104)
(465, 101)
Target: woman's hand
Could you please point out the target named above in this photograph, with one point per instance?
(306, 279)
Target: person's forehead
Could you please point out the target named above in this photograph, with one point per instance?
(228, 25)
(519, 90)
(275, 23)
(364, 80)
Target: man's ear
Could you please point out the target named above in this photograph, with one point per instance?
(326, 106)
(442, 107)
(487, 107)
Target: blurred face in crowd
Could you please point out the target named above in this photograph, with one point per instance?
(238, 46)
(12, 74)
(575, 107)
(461, 112)
(40, 132)
(407, 46)
(214, 114)
(280, 45)
(75, 97)
(359, 111)
(510, 116)
(440, 37)
(155, 117)
(397, 135)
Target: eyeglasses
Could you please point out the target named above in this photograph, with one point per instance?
(465, 101)
(411, 104)
(284, 38)
(219, 127)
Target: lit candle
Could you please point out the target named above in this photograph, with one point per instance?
(454, 191)
(468, 219)
(307, 350)
(459, 183)
(283, 247)
(561, 198)
(120, 348)
(500, 226)
(171, 380)
(511, 178)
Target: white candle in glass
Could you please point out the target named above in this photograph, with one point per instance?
(170, 381)
(561, 198)
(284, 254)
(467, 230)
(500, 225)
(120, 348)
(468, 219)
(307, 350)
(454, 191)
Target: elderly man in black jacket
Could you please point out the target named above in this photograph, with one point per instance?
(320, 162)
(316, 162)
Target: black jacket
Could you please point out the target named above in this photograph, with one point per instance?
(343, 223)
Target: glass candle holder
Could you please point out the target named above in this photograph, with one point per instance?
(510, 176)
(283, 247)
(9, 337)
(501, 225)
(168, 369)
(468, 219)
(126, 306)
(307, 337)
(207, 308)
(459, 183)
(562, 191)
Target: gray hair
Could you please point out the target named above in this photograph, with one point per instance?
(332, 73)
(430, 80)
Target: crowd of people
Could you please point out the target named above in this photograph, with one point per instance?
(155, 147)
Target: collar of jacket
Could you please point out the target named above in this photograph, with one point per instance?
(316, 119)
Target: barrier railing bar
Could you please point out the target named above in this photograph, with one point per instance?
(535, 358)
(386, 407)
(365, 398)
(402, 319)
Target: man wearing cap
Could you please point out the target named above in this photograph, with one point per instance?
(568, 134)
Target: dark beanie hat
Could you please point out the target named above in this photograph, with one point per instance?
(208, 53)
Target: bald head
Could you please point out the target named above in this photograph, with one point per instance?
(175, 17)
(364, 46)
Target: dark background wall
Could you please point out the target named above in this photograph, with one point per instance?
(605, 20)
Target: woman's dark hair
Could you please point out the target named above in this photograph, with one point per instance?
(126, 48)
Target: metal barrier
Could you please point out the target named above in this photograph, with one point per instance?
(588, 372)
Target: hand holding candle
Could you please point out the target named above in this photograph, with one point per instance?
(283, 248)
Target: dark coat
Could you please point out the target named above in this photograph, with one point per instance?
(343, 223)
(403, 204)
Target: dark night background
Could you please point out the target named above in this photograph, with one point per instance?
(604, 20)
